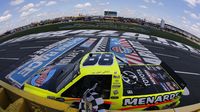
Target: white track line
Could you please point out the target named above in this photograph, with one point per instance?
(190, 73)
(154, 46)
(35, 47)
(9, 59)
(166, 55)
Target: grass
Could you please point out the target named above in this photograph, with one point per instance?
(105, 26)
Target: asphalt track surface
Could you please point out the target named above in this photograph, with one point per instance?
(186, 64)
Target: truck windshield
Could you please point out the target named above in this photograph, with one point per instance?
(62, 77)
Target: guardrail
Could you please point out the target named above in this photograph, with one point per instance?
(15, 100)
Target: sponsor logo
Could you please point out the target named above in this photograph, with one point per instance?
(150, 99)
(129, 92)
(43, 77)
(143, 77)
(129, 77)
(116, 76)
(115, 92)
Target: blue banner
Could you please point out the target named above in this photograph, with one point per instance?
(25, 71)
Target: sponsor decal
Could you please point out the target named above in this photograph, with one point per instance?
(129, 92)
(116, 76)
(164, 86)
(146, 80)
(170, 86)
(44, 76)
(115, 92)
(143, 77)
(150, 77)
(25, 71)
(129, 77)
(150, 99)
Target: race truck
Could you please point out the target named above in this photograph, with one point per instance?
(122, 87)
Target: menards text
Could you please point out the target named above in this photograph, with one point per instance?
(150, 99)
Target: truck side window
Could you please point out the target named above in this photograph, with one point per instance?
(103, 88)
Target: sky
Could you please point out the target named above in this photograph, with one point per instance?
(184, 14)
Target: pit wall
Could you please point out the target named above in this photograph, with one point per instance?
(16, 100)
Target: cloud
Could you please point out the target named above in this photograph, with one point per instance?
(103, 4)
(28, 12)
(5, 17)
(187, 25)
(26, 7)
(143, 6)
(84, 5)
(158, 2)
(192, 2)
(150, 1)
(185, 21)
(196, 28)
(6, 12)
(40, 3)
(192, 15)
(16, 2)
(42, 14)
(51, 3)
